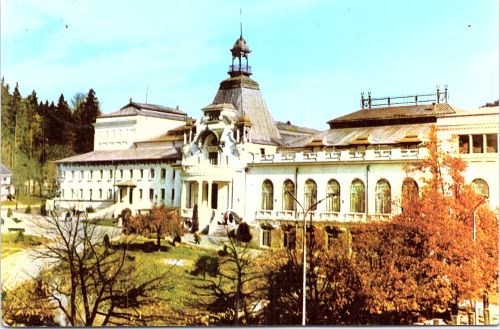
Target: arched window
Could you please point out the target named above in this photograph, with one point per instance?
(333, 196)
(288, 201)
(310, 194)
(481, 187)
(357, 196)
(409, 191)
(267, 195)
(382, 197)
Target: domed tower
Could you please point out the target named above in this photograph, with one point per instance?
(244, 94)
(240, 49)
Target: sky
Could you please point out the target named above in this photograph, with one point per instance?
(312, 58)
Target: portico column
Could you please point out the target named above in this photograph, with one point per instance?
(200, 185)
(229, 195)
(209, 198)
(183, 195)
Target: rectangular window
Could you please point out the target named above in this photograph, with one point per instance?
(140, 193)
(463, 144)
(163, 173)
(110, 194)
(72, 194)
(121, 173)
(101, 173)
(91, 172)
(152, 173)
(477, 144)
(81, 194)
(90, 194)
(72, 174)
(266, 238)
(142, 173)
(212, 158)
(289, 239)
(492, 143)
(131, 173)
(172, 197)
(151, 194)
(173, 174)
(81, 174)
(100, 193)
(162, 194)
(110, 174)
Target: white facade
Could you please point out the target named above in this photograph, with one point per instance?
(237, 158)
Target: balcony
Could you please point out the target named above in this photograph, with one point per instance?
(319, 217)
(240, 68)
(395, 154)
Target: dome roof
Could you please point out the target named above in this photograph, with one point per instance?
(240, 46)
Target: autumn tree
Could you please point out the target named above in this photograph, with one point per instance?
(161, 221)
(235, 296)
(427, 260)
(92, 284)
(335, 294)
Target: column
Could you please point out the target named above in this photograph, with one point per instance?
(229, 195)
(209, 198)
(200, 191)
(183, 195)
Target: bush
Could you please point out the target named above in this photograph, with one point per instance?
(243, 233)
(28, 210)
(43, 210)
(19, 237)
(9, 213)
(89, 210)
(194, 220)
(206, 265)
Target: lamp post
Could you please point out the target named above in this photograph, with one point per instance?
(474, 243)
(304, 261)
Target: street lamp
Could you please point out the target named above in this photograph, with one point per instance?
(474, 242)
(304, 261)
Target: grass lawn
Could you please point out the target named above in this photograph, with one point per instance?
(15, 242)
(102, 221)
(24, 200)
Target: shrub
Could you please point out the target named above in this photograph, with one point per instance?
(9, 213)
(28, 210)
(206, 265)
(89, 210)
(243, 233)
(19, 237)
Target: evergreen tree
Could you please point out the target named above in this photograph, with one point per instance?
(86, 112)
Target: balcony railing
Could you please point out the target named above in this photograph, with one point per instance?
(237, 68)
(344, 155)
(317, 216)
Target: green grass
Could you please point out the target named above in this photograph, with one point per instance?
(103, 221)
(15, 242)
(24, 200)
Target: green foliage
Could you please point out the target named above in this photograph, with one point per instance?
(9, 213)
(89, 210)
(19, 237)
(34, 133)
(27, 210)
(206, 264)
(243, 233)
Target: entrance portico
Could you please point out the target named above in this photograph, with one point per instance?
(125, 192)
(213, 197)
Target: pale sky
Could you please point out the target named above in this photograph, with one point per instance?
(312, 59)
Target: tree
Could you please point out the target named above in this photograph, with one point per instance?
(236, 295)
(195, 221)
(426, 260)
(334, 294)
(162, 221)
(91, 284)
(86, 110)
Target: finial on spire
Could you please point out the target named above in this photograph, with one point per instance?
(241, 26)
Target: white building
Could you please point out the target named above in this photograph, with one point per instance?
(6, 186)
(237, 157)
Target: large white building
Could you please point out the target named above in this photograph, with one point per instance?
(237, 157)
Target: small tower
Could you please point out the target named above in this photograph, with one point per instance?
(240, 49)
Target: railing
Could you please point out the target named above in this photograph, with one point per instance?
(326, 216)
(236, 68)
(343, 155)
